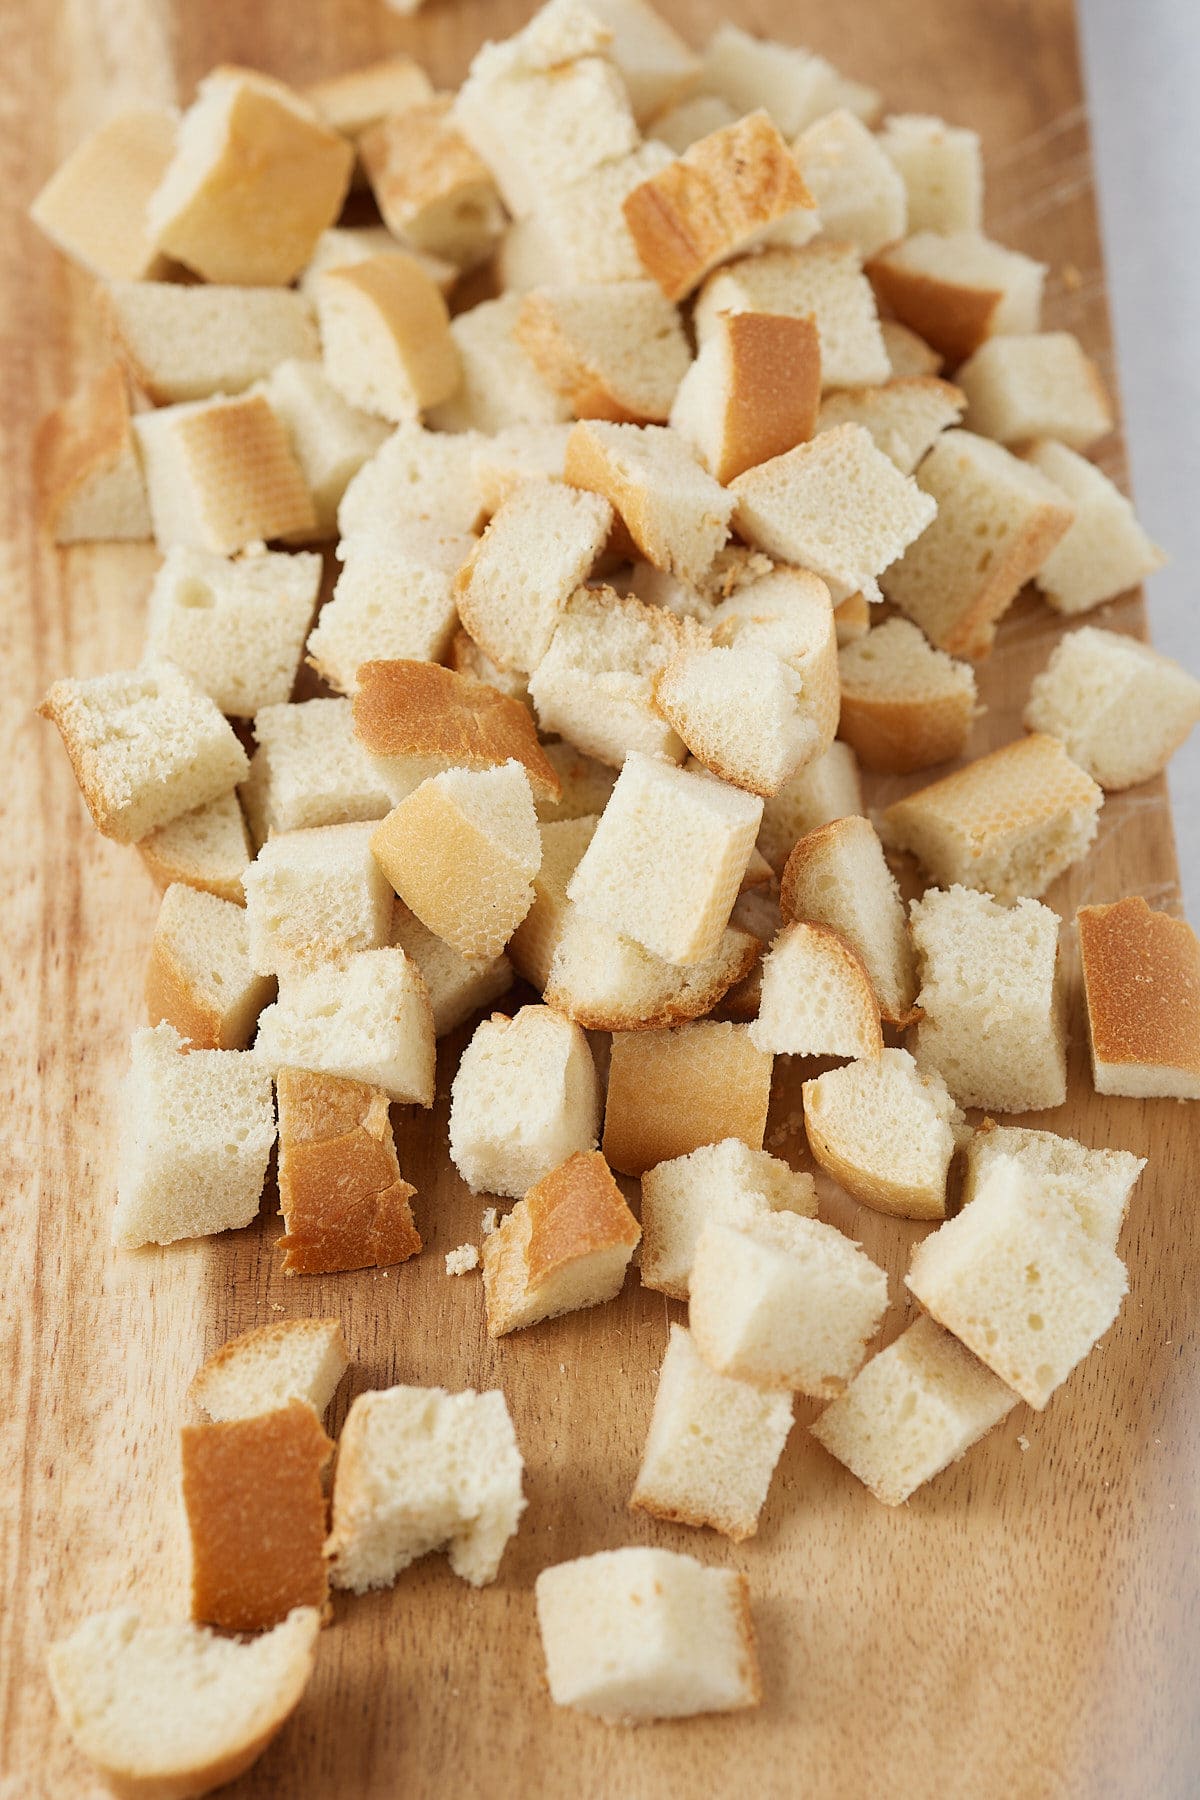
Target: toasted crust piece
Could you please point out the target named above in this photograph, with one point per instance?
(821, 280)
(669, 1092)
(269, 1367)
(886, 1130)
(905, 705)
(613, 350)
(385, 335)
(677, 515)
(752, 392)
(1141, 983)
(86, 467)
(565, 1246)
(432, 189)
(351, 103)
(221, 474)
(208, 848)
(199, 975)
(955, 291)
(837, 876)
(94, 205)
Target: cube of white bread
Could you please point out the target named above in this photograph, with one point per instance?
(837, 506)
(263, 1369)
(498, 385)
(684, 124)
(1096, 1184)
(824, 281)
(993, 996)
(741, 710)
(721, 197)
(199, 977)
(146, 745)
(1008, 823)
(722, 1181)
(254, 180)
(905, 416)
(586, 784)
(208, 849)
(1104, 551)
(794, 85)
(354, 101)
(368, 1018)
(1018, 1280)
(416, 476)
(197, 1128)
(669, 1092)
(1141, 987)
(1120, 708)
(313, 896)
(656, 65)
(309, 769)
(393, 599)
(419, 1469)
(905, 704)
(518, 453)
(677, 515)
(578, 232)
(838, 876)
(346, 244)
(185, 343)
(177, 1709)
(93, 208)
(734, 567)
(1035, 385)
(540, 545)
(826, 789)
(459, 986)
(712, 1446)
(462, 851)
(221, 475)
(524, 1099)
(817, 997)
(908, 353)
(886, 1130)
(953, 590)
(958, 289)
(86, 467)
(431, 188)
(638, 1634)
(751, 393)
(386, 342)
(565, 1246)
(784, 1302)
(789, 612)
(942, 169)
(331, 440)
(914, 1409)
(466, 658)
(613, 350)
(858, 190)
(667, 859)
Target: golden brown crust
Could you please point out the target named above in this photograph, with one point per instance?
(574, 1211)
(733, 1527)
(84, 437)
(669, 1092)
(562, 365)
(411, 310)
(422, 709)
(855, 980)
(745, 1626)
(93, 207)
(807, 855)
(953, 318)
(240, 454)
(1141, 981)
(903, 733)
(852, 618)
(170, 995)
(774, 389)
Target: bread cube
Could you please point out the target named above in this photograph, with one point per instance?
(675, 512)
(459, 986)
(886, 1130)
(685, 123)
(905, 704)
(1119, 707)
(196, 1134)
(346, 244)
(417, 476)
(237, 628)
(817, 997)
(565, 1246)
(498, 384)
(1096, 1184)
(145, 745)
(86, 466)
(613, 350)
(793, 85)
(742, 711)
(958, 288)
(1141, 985)
(638, 1634)
(330, 439)
(94, 205)
(1104, 551)
(269, 1367)
(187, 343)
(993, 996)
(837, 876)
(520, 453)
(385, 336)
(431, 188)
(905, 417)
(721, 1181)
(314, 896)
(751, 393)
(362, 97)
(199, 978)
(586, 784)
(942, 169)
(858, 190)
(367, 1018)
(419, 1469)
(207, 849)
(254, 180)
(1033, 386)
(821, 281)
(393, 599)
(908, 353)
(578, 232)
(309, 769)
(784, 1302)
(669, 1092)
(826, 789)
(525, 1098)
(221, 475)
(653, 61)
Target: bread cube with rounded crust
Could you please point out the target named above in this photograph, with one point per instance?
(1105, 551)
(717, 1181)
(94, 205)
(385, 336)
(264, 1369)
(565, 1246)
(826, 789)
(207, 849)
(677, 515)
(957, 289)
(886, 1130)
(817, 997)
(367, 1018)
(838, 876)
(613, 349)
(309, 769)
(199, 977)
(1096, 1184)
(905, 704)
(313, 897)
(431, 188)
(824, 282)
(1120, 709)
(1141, 985)
(741, 710)
(1035, 385)
(525, 1098)
(751, 393)
(86, 466)
(221, 475)
(669, 1092)
(942, 169)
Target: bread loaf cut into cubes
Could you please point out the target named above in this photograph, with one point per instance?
(1037, 385)
(314, 896)
(459, 986)
(578, 232)
(824, 282)
(269, 1367)
(199, 977)
(1095, 1183)
(416, 476)
(656, 65)
(613, 350)
(565, 1246)
(525, 1098)
(94, 205)
(1105, 551)
(1141, 985)
(638, 1634)
(907, 353)
(669, 1092)
(905, 704)
(958, 288)
(393, 599)
(385, 336)
(359, 98)
(309, 769)
(430, 186)
(942, 169)
(186, 343)
(677, 515)
(87, 469)
(838, 876)
(817, 997)
(586, 784)
(1119, 708)
(886, 1130)
(787, 613)
(221, 475)
(914, 1409)
(367, 1018)
(752, 391)
(330, 439)
(795, 86)
(905, 416)
(826, 789)
(858, 190)
(207, 849)
(721, 1181)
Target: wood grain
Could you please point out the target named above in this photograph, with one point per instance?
(1026, 1626)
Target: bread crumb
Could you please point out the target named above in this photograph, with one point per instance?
(462, 1260)
(490, 1221)
(1022, 1442)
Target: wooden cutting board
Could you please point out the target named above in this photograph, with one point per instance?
(1026, 1626)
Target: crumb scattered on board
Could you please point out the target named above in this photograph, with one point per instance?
(462, 1260)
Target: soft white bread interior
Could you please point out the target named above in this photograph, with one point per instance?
(905, 416)
(824, 282)
(394, 599)
(826, 789)
(817, 997)
(292, 1359)
(386, 341)
(86, 466)
(656, 65)
(677, 515)
(330, 439)
(907, 353)
(1097, 1184)
(498, 385)
(794, 85)
(94, 205)
(858, 190)
(368, 1018)
(518, 453)
(185, 343)
(1105, 551)
(684, 124)
(208, 849)
(942, 169)
(1120, 709)
(565, 1246)
(431, 188)
(359, 98)
(427, 476)
(957, 288)
(614, 349)
(886, 1130)
(309, 769)
(458, 985)
(524, 1099)
(717, 1181)
(838, 876)
(1035, 385)
(199, 976)
(905, 705)
(314, 896)
(578, 232)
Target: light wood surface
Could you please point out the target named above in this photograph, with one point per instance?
(1026, 1626)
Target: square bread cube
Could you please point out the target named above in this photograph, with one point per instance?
(1119, 708)
(86, 466)
(905, 416)
(331, 440)
(199, 977)
(824, 282)
(270, 1366)
(146, 746)
(914, 1409)
(838, 876)
(385, 336)
(712, 1446)
(181, 342)
(1104, 551)
(816, 997)
(784, 1302)
(416, 476)
(565, 1246)
(677, 515)
(886, 1130)
(669, 1092)
(393, 599)
(367, 1018)
(858, 190)
(525, 1098)
(905, 704)
(908, 353)
(942, 169)
(829, 788)
(1096, 1184)
(743, 711)
(717, 1181)
(94, 205)
(752, 393)
(309, 769)
(1036, 385)
(614, 349)
(578, 232)
(1141, 986)
(430, 186)
(196, 1134)
(458, 985)
(314, 896)
(1018, 1280)
(656, 65)
(221, 475)
(955, 290)
(208, 849)
(498, 384)
(638, 1634)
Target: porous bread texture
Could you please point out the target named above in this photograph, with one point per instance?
(957, 288)
(942, 169)
(419, 1469)
(462, 1260)
(905, 416)
(751, 393)
(221, 475)
(724, 1181)
(638, 1634)
(821, 281)
(859, 192)
(852, 618)
(1096, 1184)
(539, 547)
(1104, 551)
(993, 1000)
(419, 475)
(254, 180)
(393, 599)
(431, 188)
(498, 385)
(733, 568)
(794, 85)
(712, 1446)
(518, 453)
(1141, 984)
(838, 876)
(682, 125)
(525, 1098)
(264, 1369)
(386, 342)
(905, 704)
(1007, 823)
(656, 65)
(197, 1128)
(345, 244)
(86, 467)
(237, 628)
(93, 208)
(367, 1018)
(837, 506)
(886, 1130)
(614, 350)
(1018, 1280)
(788, 613)
(907, 353)
(354, 101)
(1119, 707)
(826, 789)
(578, 232)
(784, 1302)
(166, 1712)
(1035, 385)
(344, 1202)
(586, 784)
(309, 769)
(914, 1409)
(207, 849)
(330, 439)
(466, 658)
(565, 1246)
(458, 985)
(462, 851)
(817, 997)
(199, 977)
(314, 896)
(146, 745)
(676, 514)
(185, 343)
(669, 1092)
